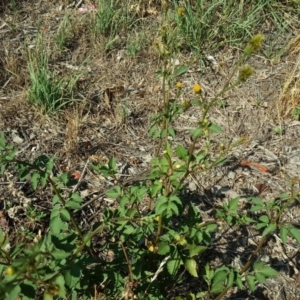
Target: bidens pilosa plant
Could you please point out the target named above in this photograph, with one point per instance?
(154, 238)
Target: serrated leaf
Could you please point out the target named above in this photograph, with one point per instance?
(191, 265)
(155, 188)
(215, 128)
(268, 271)
(251, 282)
(173, 264)
(270, 228)
(295, 233)
(181, 152)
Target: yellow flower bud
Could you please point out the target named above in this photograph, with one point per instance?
(180, 11)
(10, 271)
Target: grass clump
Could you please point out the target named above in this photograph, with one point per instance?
(49, 91)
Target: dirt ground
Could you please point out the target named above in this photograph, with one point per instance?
(118, 96)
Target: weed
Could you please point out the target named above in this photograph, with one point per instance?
(296, 113)
(148, 249)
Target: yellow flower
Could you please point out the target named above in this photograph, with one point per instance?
(197, 88)
(180, 11)
(151, 248)
(179, 84)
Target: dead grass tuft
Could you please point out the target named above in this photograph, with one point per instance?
(290, 95)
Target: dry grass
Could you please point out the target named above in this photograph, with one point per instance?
(290, 95)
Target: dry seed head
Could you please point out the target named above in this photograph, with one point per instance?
(245, 72)
(254, 44)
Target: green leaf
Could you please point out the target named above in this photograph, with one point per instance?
(283, 234)
(163, 248)
(156, 188)
(181, 152)
(197, 102)
(268, 271)
(295, 233)
(191, 265)
(269, 229)
(55, 199)
(261, 225)
(230, 279)
(264, 219)
(258, 265)
(114, 193)
(239, 281)
(173, 263)
(220, 276)
(179, 71)
(256, 201)
(251, 282)
(171, 132)
(76, 198)
(196, 250)
(35, 180)
(217, 288)
(65, 215)
(233, 204)
(64, 177)
(56, 225)
(260, 277)
(60, 281)
(215, 128)
(72, 204)
(2, 141)
(60, 254)
(112, 164)
(174, 208)
(195, 133)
